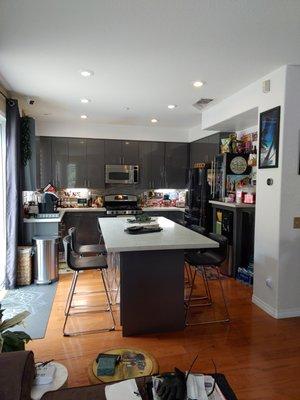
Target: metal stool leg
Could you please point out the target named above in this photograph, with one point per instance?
(70, 299)
(108, 302)
(227, 317)
(69, 304)
(71, 290)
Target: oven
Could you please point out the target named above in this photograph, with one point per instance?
(126, 174)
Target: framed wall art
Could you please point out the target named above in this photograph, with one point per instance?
(269, 126)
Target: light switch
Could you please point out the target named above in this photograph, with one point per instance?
(296, 222)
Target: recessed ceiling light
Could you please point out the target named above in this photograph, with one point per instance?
(197, 84)
(172, 106)
(83, 116)
(86, 73)
(85, 100)
(154, 120)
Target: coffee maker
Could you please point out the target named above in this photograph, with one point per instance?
(48, 204)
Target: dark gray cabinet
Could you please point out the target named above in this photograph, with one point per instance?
(151, 162)
(130, 152)
(176, 165)
(44, 165)
(113, 152)
(205, 150)
(121, 152)
(95, 163)
(76, 168)
(59, 163)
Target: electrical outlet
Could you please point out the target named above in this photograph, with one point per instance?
(269, 283)
(296, 222)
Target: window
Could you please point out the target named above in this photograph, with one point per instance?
(2, 203)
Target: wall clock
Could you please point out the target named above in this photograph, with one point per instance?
(238, 165)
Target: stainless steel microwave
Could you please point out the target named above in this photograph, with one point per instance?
(126, 174)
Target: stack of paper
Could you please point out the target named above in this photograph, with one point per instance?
(125, 390)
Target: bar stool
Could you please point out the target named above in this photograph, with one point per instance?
(201, 261)
(87, 249)
(188, 267)
(78, 264)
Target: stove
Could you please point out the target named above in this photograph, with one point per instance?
(121, 204)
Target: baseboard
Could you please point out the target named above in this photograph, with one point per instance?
(278, 314)
(264, 306)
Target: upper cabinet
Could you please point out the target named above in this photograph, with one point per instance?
(130, 152)
(59, 167)
(77, 160)
(205, 150)
(113, 152)
(176, 164)
(152, 165)
(95, 163)
(44, 165)
(121, 152)
(77, 163)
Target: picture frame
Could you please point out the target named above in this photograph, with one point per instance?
(269, 129)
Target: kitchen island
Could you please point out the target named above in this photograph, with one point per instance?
(151, 273)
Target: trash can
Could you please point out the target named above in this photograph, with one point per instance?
(45, 259)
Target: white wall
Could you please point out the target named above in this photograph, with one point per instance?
(91, 130)
(277, 244)
(197, 133)
(289, 248)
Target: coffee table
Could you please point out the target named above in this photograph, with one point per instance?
(127, 368)
(59, 381)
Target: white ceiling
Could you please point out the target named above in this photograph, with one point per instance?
(145, 54)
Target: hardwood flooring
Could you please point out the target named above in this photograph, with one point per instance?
(259, 355)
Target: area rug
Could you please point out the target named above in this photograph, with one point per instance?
(38, 300)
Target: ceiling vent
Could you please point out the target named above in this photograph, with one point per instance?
(200, 104)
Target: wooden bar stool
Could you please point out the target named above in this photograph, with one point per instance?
(79, 264)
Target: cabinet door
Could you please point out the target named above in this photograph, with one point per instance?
(145, 156)
(113, 152)
(44, 162)
(158, 165)
(176, 164)
(95, 163)
(59, 161)
(130, 152)
(76, 169)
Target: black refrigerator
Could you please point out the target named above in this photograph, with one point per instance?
(197, 209)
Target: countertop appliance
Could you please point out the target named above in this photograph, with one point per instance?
(125, 174)
(48, 204)
(197, 208)
(121, 204)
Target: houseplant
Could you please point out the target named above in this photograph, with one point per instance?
(12, 341)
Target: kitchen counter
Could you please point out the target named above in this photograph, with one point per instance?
(172, 237)
(232, 205)
(151, 273)
(62, 212)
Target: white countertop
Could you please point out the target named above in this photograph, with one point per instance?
(62, 212)
(233, 205)
(172, 237)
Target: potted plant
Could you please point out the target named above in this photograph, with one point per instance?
(12, 341)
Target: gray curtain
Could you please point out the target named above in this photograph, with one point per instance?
(13, 192)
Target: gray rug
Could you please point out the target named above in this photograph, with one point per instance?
(37, 299)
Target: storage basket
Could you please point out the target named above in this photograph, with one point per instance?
(24, 270)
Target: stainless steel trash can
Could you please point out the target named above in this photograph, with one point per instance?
(45, 259)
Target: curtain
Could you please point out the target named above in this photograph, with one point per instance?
(2, 203)
(13, 192)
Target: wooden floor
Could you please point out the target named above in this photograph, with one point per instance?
(259, 355)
